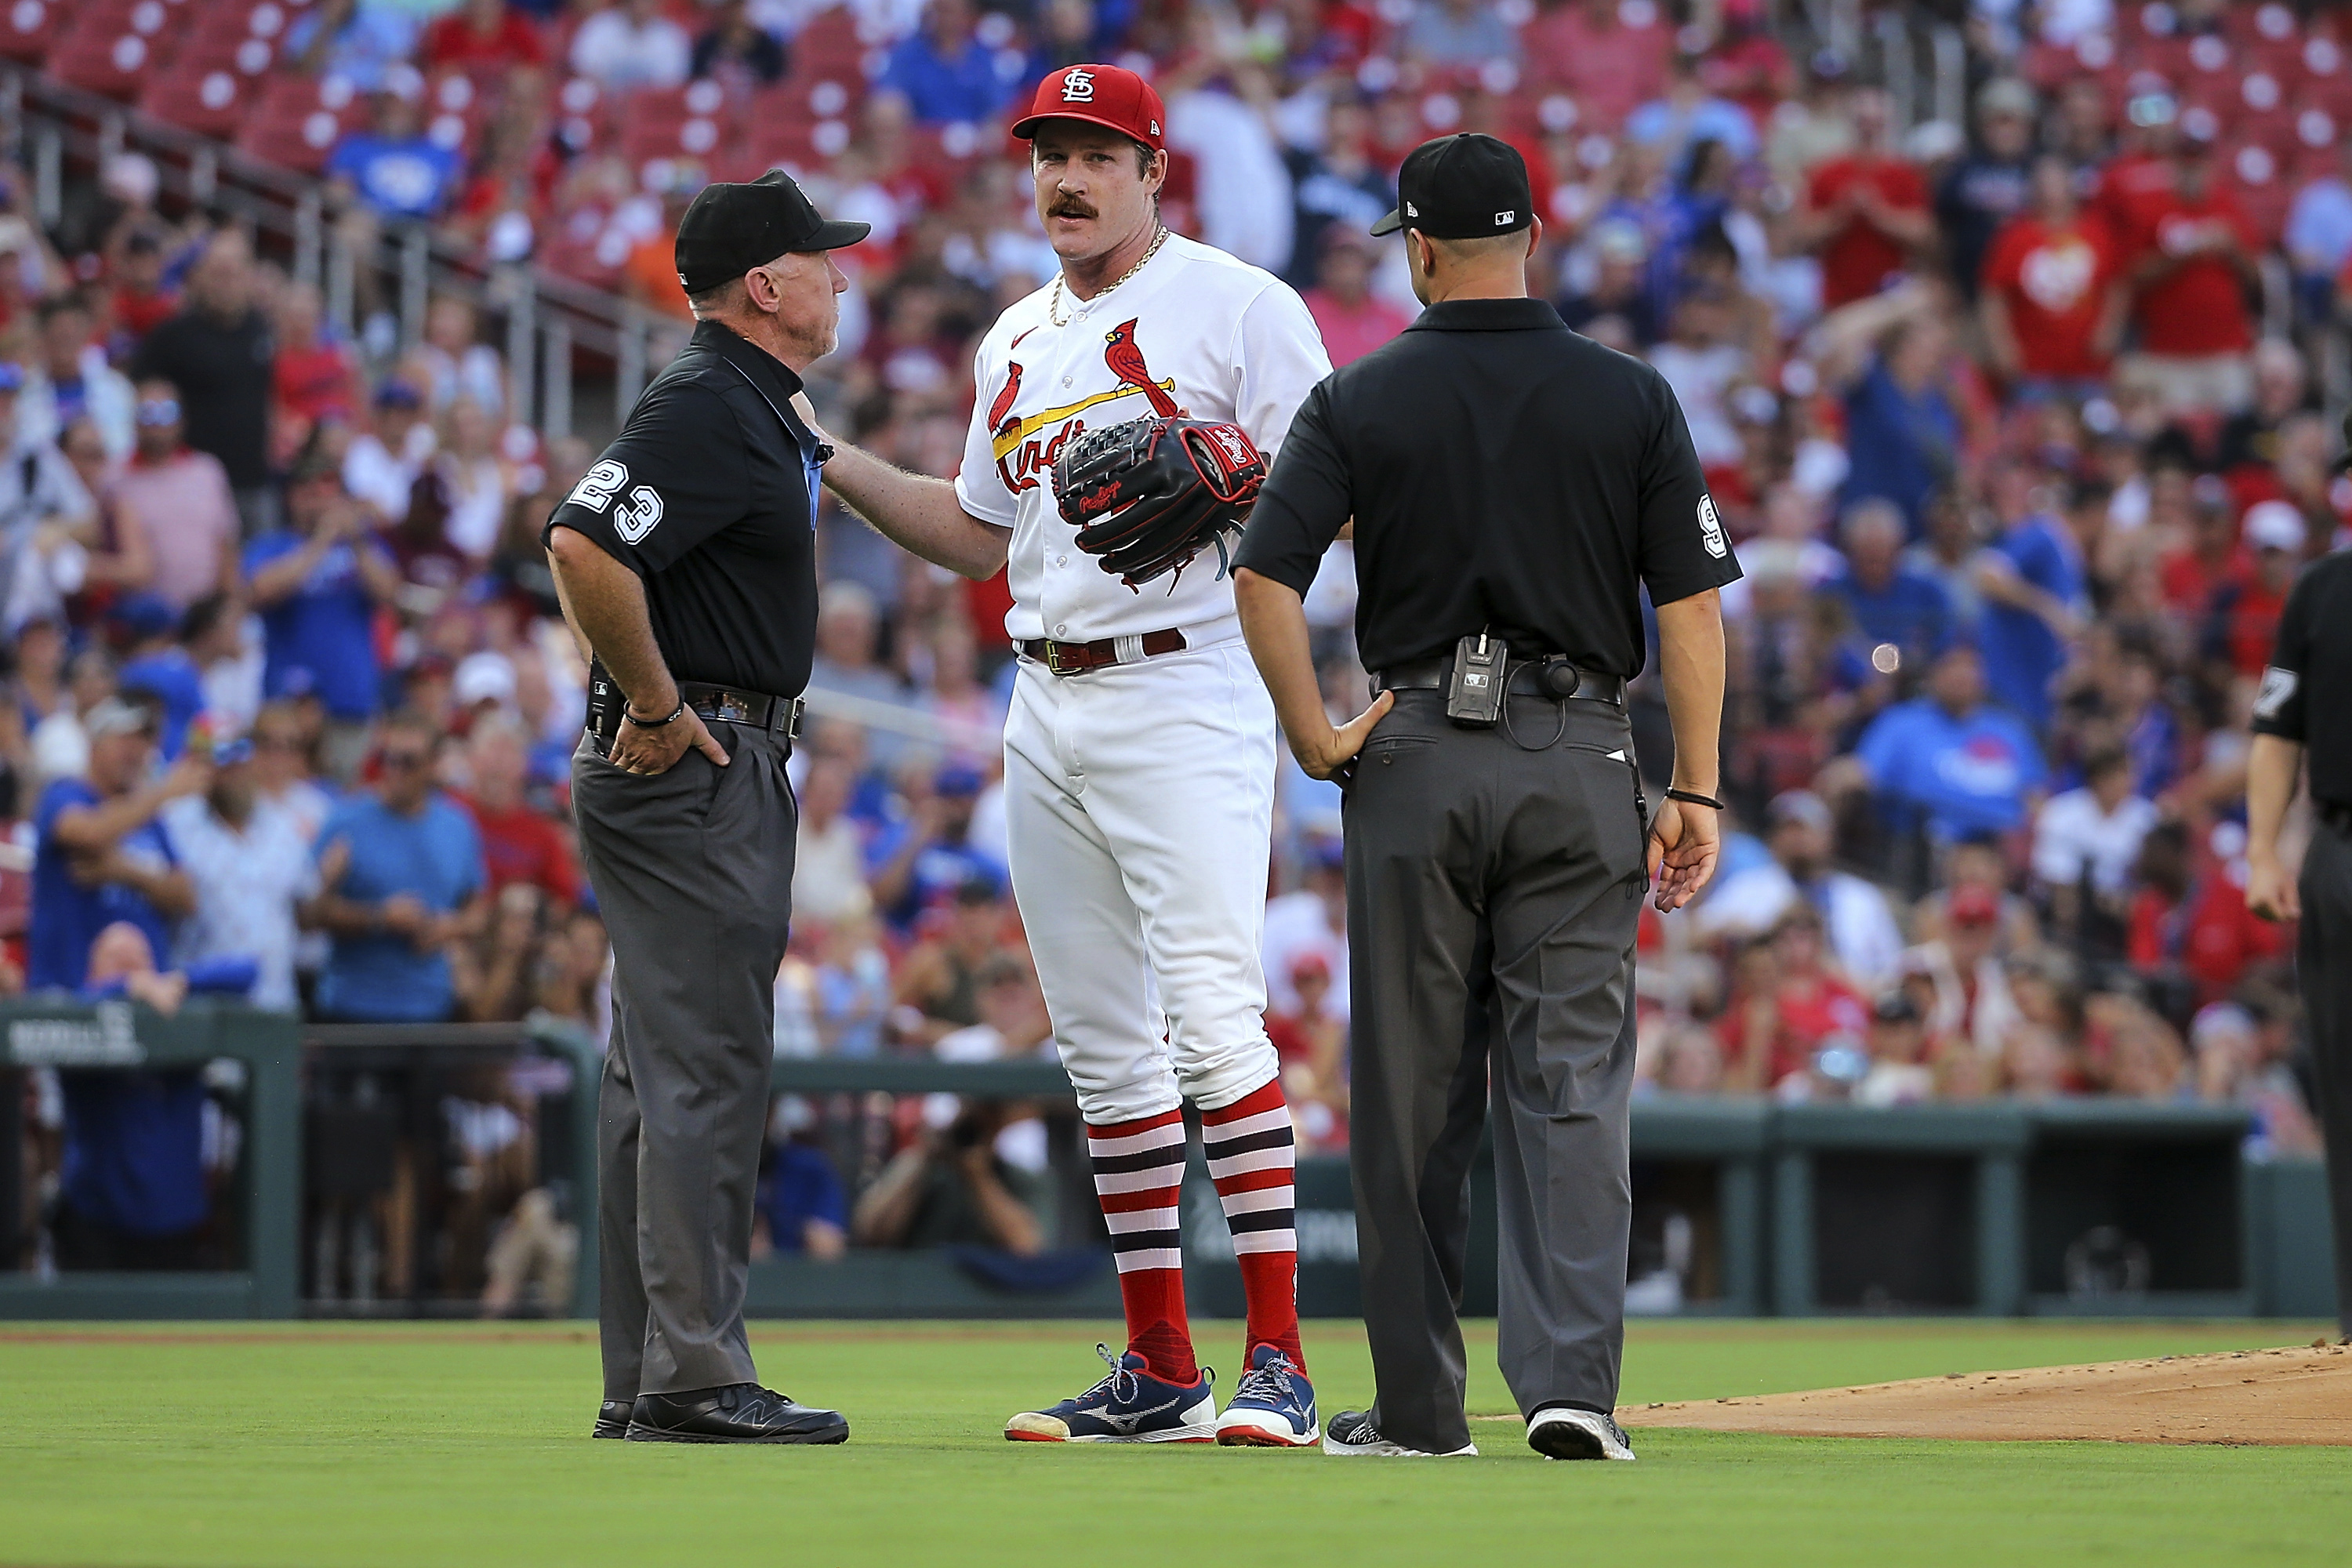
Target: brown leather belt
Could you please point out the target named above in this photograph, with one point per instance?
(1078, 657)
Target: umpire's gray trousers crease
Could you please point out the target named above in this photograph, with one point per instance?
(693, 872)
(1493, 893)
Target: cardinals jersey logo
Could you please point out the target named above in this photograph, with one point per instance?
(1126, 362)
(999, 411)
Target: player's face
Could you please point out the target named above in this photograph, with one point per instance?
(1095, 190)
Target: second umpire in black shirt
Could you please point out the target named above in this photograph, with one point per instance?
(2305, 711)
(1513, 488)
(685, 561)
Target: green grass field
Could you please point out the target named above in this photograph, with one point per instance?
(325, 1445)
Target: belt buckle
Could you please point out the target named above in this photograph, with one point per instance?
(1054, 657)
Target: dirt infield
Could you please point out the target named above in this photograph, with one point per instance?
(2302, 1394)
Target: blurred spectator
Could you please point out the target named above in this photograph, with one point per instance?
(1311, 922)
(400, 868)
(104, 858)
(1454, 34)
(947, 73)
(2086, 841)
(317, 584)
(317, 380)
(456, 365)
(382, 463)
(1012, 1020)
(939, 980)
(2036, 592)
(1334, 188)
(1687, 114)
(1891, 356)
(737, 52)
(360, 41)
(71, 379)
(630, 44)
(1610, 55)
(2242, 616)
(1968, 986)
(950, 1187)
(175, 501)
(251, 865)
(2050, 309)
(43, 510)
(1787, 1003)
(1892, 606)
(930, 857)
(2195, 259)
(829, 865)
(1616, 309)
(848, 639)
(1351, 318)
(1947, 760)
(481, 33)
(519, 844)
(1866, 212)
(217, 352)
(168, 654)
(802, 1206)
(2318, 239)
(1986, 189)
(1899, 1073)
(1311, 1039)
(1857, 921)
(393, 169)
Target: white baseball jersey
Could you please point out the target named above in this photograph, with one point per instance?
(1195, 332)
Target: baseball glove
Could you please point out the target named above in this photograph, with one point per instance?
(1148, 496)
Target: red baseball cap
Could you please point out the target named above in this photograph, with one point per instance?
(1109, 95)
(1974, 906)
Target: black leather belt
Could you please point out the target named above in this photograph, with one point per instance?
(715, 704)
(1525, 679)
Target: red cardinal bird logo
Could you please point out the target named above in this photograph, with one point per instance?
(999, 411)
(1126, 362)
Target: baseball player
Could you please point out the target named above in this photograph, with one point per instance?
(1138, 752)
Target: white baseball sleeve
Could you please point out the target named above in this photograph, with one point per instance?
(1278, 358)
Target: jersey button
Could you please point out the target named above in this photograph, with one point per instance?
(1059, 629)
(1061, 561)
(1065, 381)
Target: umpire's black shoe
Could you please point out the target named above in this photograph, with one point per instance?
(612, 1419)
(740, 1413)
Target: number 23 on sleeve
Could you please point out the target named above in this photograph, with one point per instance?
(633, 521)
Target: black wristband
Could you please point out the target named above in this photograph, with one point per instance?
(1707, 801)
(654, 723)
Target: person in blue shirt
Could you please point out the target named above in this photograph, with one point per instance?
(394, 170)
(169, 655)
(103, 858)
(946, 74)
(929, 857)
(402, 866)
(1891, 603)
(1890, 355)
(2035, 600)
(1950, 758)
(802, 1199)
(317, 586)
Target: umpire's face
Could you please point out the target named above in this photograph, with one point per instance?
(801, 289)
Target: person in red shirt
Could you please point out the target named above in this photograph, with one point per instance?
(482, 33)
(1867, 213)
(1611, 56)
(2193, 263)
(519, 845)
(315, 380)
(2137, 180)
(1786, 1006)
(2190, 575)
(2244, 626)
(1351, 318)
(2050, 304)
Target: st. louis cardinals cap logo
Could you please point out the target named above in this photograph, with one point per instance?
(1078, 86)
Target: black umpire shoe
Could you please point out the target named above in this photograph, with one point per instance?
(612, 1419)
(740, 1413)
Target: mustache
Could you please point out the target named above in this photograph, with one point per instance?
(1070, 207)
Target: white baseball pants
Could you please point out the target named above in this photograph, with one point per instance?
(1140, 807)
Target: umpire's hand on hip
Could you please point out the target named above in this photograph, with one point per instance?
(654, 747)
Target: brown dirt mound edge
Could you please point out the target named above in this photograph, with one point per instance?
(2298, 1394)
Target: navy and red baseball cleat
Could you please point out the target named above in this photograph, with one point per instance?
(1273, 1407)
(1130, 1406)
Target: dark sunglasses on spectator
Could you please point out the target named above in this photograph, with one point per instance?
(159, 411)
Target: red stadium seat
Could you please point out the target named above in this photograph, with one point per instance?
(28, 29)
(298, 121)
(211, 102)
(116, 63)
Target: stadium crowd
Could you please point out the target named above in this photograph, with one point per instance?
(2016, 425)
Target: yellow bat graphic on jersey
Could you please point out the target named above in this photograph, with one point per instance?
(1007, 442)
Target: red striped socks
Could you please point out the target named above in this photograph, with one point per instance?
(1138, 1177)
(1252, 1158)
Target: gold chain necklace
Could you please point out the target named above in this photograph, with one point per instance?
(1054, 305)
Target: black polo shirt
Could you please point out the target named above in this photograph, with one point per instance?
(709, 495)
(226, 371)
(2306, 694)
(1506, 475)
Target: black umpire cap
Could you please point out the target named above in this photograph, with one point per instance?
(1467, 186)
(731, 228)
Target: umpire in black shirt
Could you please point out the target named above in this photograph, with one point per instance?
(2305, 710)
(685, 562)
(1514, 486)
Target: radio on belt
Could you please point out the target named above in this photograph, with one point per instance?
(1474, 691)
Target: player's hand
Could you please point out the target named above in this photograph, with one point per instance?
(653, 752)
(1685, 841)
(1334, 758)
(2270, 892)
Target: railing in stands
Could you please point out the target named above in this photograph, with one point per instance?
(556, 329)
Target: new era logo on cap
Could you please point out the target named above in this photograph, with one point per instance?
(1078, 86)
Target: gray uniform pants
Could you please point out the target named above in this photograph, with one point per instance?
(1493, 893)
(693, 872)
(2324, 938)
